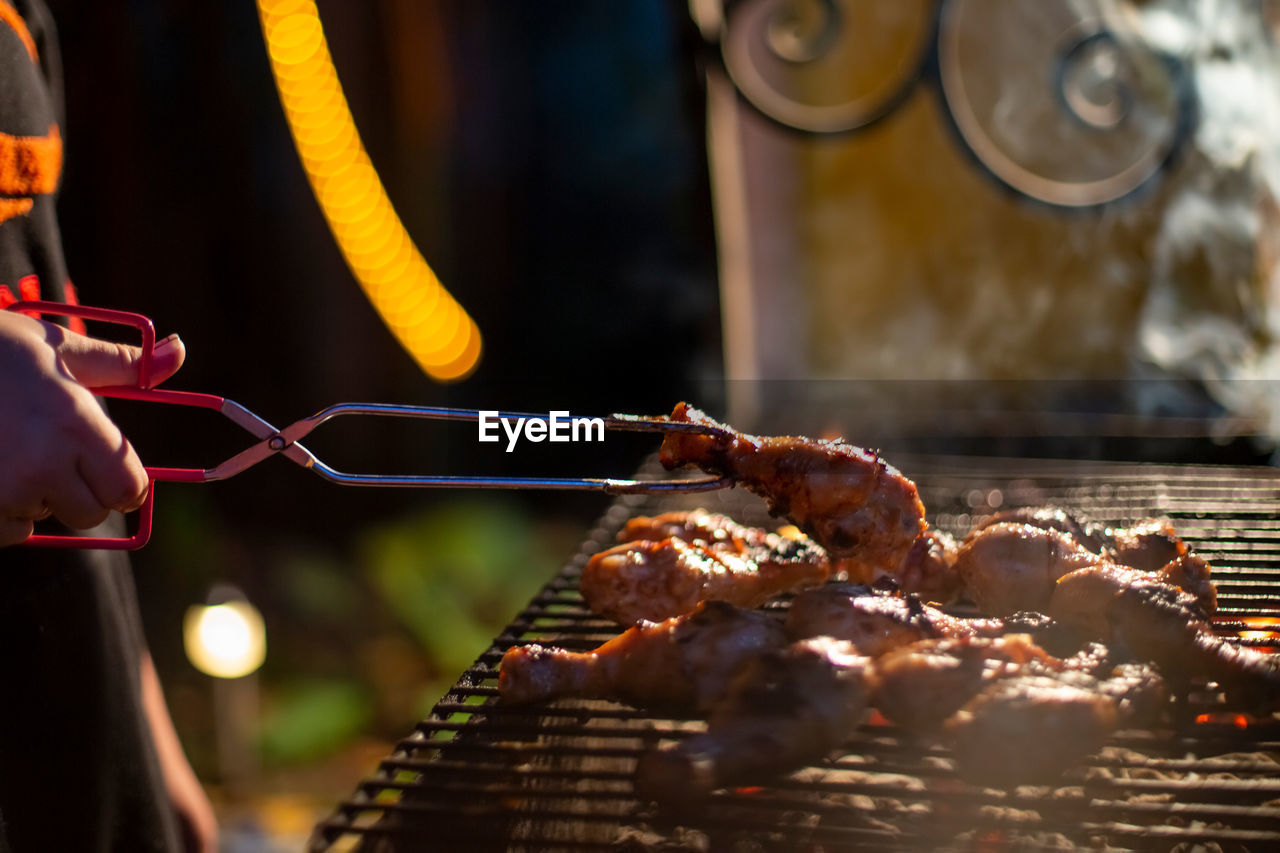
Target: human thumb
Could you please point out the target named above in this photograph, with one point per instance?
(96, 363)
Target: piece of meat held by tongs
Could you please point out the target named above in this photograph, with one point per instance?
(852, 502)
(669, 563)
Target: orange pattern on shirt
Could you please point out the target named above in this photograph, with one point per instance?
(10, 16)
(29, 165)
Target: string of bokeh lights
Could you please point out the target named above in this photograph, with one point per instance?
(424, 317)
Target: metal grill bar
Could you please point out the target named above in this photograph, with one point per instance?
(487, 777)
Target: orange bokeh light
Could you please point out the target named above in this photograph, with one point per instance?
(427, 321)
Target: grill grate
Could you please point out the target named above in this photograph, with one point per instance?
(479, 776)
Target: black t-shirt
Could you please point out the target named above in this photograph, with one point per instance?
(78, 770)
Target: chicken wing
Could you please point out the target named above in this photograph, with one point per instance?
(684, 662)
(657, 578)
(853, 503)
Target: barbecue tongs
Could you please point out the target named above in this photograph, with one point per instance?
(284, 442)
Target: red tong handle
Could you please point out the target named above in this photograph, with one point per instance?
(140, 390)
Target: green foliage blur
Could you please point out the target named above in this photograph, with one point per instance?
(455, 575)
(432, 589)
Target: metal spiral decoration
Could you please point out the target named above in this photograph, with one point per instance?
(1056, 107)
(800, 62)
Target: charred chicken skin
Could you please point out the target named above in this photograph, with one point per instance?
(877, 621)
(853, 503)
(680, 559)
(783, 709)
(684, 662)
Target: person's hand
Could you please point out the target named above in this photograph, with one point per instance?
(59, 453)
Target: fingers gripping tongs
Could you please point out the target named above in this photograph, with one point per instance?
(285, 442)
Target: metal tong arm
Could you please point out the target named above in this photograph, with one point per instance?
(285, 441)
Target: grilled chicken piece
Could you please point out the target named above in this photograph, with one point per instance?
(1140, 692)
(877, 621)
(1011, 712)
(684, 662)
(792, 706)
(933, 570)
(1010, 566)
(1151, 620)
(1150, 546)
(928, 570)
(920, 685)
(1190, 573)
(1147, 545)
(657, 578)
(849, 500)
(697, 525)
(784, 709)
(1092, 536)
(1028, 729)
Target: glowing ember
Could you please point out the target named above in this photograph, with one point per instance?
(1261, 628)
(994, 839)
(1223, 718)
(877, 719)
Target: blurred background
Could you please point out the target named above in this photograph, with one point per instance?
(548, 161)
(995, 221)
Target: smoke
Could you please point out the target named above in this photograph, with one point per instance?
(1212, 311)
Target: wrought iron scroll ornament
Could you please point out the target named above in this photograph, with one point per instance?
(1103, 114)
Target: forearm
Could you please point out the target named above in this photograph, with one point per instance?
(199, 825)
